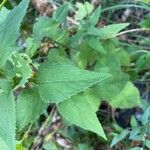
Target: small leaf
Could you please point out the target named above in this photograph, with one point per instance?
(7, 114)
(119, 137)
(94, 18)
(9, 30)
(61, 13)
(29, 107)
(81, 110)
(146, 116)
(96, 45)
(22, 68)
(133, 122)
(60, 81)
(83, 10)
(31, 47)
(129, 97)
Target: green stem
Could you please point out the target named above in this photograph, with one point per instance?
(2, 4)
(124, 6)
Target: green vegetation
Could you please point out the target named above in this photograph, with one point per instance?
(71, 79)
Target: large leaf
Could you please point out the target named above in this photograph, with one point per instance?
(81, 111)
(7, 114)
(129, 97)
(112, 86)
(9, 31)
(108, 31)
(60, 81)
(29, 107)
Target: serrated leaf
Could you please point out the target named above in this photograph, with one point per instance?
(119, 137)
(112, 86)
(29, 107)
(108, 31)
(9, 30)
(22, 68)
(7, 114)
(60, 81)
(129, 97)
(61, 13)
(3, 13)
(80, 107)
(94, 17)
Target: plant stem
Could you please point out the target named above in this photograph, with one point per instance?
(132, 30)
(2, 4)
(124, 6)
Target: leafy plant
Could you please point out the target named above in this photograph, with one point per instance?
(79, 72)
(139, 131)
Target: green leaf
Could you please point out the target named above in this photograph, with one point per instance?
(22, 68)
(133, 122)
(95, 44)
(3, 14)
(112, 86)
(129, 97)
(136, 148)
(83, 10)
(29, 107)
(3, 145)
(56, 55)
(136, 134)
(147, 143)
(109, 60)
(9, 30)
(119, 137)
(123, 57)
(31, 47)
(7, 114)
(60, 81)
(108, 31)
(94, 18)
(81, 110)
(61, 14)
(46, 27)
(146, 116)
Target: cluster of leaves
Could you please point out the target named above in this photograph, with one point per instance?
(84, 67)
(139, 130)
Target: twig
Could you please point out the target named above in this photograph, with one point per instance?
(2, 4)
(132, 30)
(39, 138)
